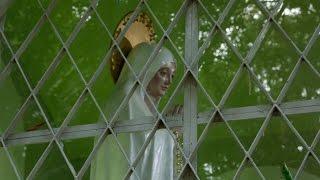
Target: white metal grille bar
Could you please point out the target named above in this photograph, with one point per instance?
(135, 125)
(190, 87)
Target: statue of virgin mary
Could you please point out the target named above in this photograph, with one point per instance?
(157, 162)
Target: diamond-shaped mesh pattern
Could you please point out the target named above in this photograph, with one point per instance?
(65, 39)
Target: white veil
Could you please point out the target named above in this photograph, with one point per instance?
(157, 163)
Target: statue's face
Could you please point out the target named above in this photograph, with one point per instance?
(161, 81)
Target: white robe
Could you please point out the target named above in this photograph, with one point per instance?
(157, 162)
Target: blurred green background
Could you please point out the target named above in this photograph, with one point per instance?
(220, 155)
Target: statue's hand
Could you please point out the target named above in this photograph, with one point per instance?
(177, 110)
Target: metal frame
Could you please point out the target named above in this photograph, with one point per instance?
(189, 84)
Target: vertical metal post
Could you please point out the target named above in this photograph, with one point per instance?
(190, 89)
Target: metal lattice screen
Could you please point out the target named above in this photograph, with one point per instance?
(202, 35)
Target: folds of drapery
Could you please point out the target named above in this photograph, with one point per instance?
(157, 162)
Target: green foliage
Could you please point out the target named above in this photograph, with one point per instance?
(285, 172)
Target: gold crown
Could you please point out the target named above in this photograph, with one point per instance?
(141, 30)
